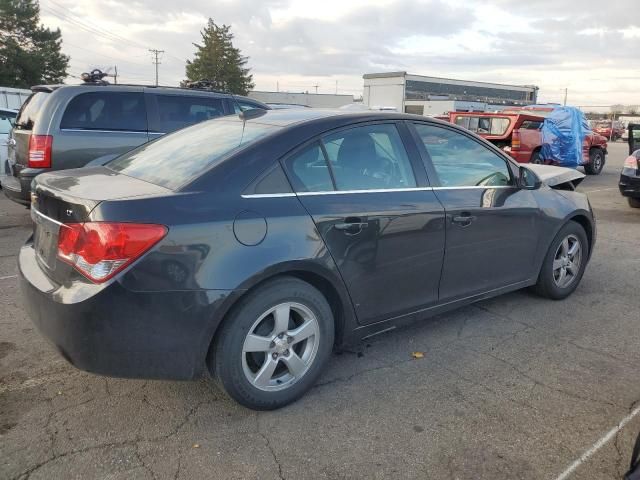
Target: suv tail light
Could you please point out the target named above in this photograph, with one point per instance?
(632, 162)
(515, 140)
(40, 151)
(99, 250)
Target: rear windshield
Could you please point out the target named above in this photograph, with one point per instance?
(30, 109)
(484, 125)
(179, 157)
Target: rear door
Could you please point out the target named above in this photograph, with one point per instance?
(491, 224)
(97, 123)
(381, 223)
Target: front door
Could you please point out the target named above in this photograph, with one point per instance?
(491, 224)
(384, 231)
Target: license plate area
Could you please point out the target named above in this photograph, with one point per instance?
(45, 239)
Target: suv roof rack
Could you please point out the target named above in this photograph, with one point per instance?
(94, 77)
(202, 84)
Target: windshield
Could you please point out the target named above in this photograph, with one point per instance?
(181, 156)
(30, 110)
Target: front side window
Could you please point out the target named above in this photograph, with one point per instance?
(460, 161)
(115, 111)
(175, 111)
(369, 157)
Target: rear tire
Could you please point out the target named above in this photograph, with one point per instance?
(634, 202)
(536, 158)
(274, 345)
(564, 264)
(596, 162)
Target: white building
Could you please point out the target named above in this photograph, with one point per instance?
(428, 96)
(314, 100)
(13, 97)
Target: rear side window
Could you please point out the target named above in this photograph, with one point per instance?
(175, 159)
(309, 171)
(368, 158)
(29, 111)
(114, 111)
(177, 112)
(485, 125)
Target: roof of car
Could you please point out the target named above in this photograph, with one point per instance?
(285, 117)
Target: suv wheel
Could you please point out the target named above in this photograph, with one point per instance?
(274, 345)
(634, 202)
(564, 264)
(596, 162)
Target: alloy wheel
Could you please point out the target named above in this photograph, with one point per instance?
(567, 261)
(280, 346)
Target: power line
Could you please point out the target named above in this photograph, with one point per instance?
(156, 62)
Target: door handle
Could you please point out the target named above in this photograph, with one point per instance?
(351, 225)
(463, 220)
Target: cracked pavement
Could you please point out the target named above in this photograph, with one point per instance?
(512, 387)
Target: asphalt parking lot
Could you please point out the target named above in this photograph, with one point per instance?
(513, 387)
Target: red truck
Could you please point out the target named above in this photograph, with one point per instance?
(517, 132)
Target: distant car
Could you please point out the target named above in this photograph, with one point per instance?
(7, 118)
(286, 106)
(251, 246)
(518, 132)
(68, 126)
(629, 183)
(610, 130)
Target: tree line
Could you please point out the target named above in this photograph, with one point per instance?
(31, 54)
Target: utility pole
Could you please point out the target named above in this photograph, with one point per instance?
(565, 96)
(277, 86)
(336, 87)
(316, 87)
(156, 62)
(115, 74)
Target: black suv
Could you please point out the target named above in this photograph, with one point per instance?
(68, 126)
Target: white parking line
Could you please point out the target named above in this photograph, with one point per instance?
(600, 190)
(598, 445)
(8, 277)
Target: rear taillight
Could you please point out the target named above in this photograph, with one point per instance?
(632, 162)
(515, 140)
(40, 151)
(99, 250)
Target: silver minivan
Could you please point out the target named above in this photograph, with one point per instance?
(68, 126)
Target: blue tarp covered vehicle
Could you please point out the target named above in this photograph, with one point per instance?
(563, 134)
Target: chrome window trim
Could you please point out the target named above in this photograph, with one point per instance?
(474, 187)
(102, 131)
(269, 195)
(47, 218)
(374, 190)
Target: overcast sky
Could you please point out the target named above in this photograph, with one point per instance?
(591, 47)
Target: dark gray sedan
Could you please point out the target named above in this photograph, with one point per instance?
(251, 246)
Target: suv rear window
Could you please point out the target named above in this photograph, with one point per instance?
(177, 158)
(177, 111)
(29, 111)
(116, 111)
(484, 125)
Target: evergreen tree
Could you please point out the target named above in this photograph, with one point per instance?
(29, 53)
(219, 62)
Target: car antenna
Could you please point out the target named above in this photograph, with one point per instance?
(251, 113)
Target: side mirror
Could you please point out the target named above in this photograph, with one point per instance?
(528, 180)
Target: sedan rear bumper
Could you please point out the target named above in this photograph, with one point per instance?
(629, 185)
(117, 332)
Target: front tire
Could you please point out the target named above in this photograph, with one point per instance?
(564, 264)
(596, 162)
(274, 345)
(634, 202)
